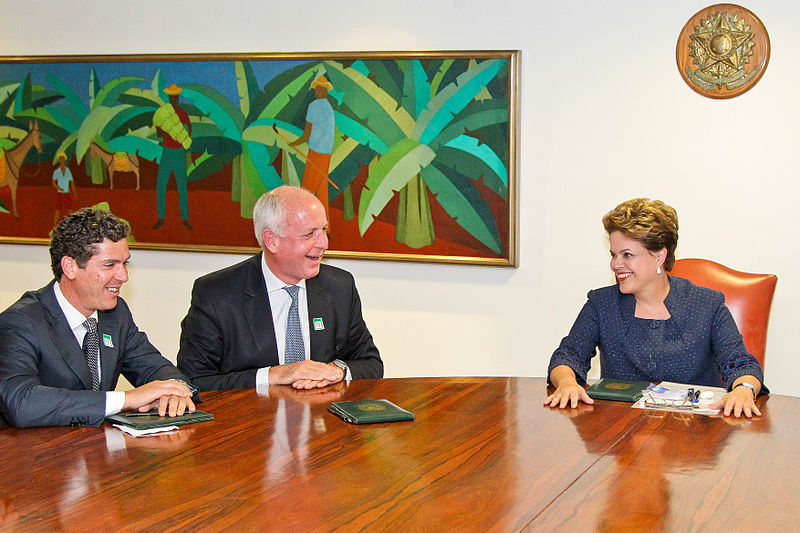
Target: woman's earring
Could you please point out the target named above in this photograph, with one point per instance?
(658, 270)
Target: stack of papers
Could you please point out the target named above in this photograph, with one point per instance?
(669, 396)
(144, 432)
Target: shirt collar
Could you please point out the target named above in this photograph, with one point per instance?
(74, 317)
(273, 282)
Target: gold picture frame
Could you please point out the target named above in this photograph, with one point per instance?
(423, 165)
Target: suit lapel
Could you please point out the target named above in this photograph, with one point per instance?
(258, 313)
(319, 307)
(64, 339)
(108, 332)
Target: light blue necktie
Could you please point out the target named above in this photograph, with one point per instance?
(295, 351)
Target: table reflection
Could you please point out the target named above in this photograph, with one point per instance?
(635, 486)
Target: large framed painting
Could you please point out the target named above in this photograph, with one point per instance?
(413, 154)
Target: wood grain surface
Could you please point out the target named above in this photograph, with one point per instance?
(482, 455)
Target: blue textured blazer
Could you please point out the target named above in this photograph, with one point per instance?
(699, 344)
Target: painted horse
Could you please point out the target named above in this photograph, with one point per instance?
(121, 162)
(11, 163)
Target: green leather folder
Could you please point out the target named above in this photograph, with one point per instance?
(370, 411)
(621, 390)
(148, 421)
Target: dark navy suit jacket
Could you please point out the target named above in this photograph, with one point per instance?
(44, 376)
(228, 334)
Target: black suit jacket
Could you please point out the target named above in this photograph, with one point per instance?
(44, 376)
(228, 334)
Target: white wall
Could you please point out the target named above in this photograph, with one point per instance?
(605, 117)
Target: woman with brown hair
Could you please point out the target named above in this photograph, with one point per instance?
(651, 326)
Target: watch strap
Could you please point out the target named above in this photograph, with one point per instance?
(747, 385)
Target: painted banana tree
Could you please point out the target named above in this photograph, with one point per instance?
(21, 105)
(226, 133)
(102, 121)
(119, 119)
(247, 135)
(23, 102)
(281, 119)
(437, 128)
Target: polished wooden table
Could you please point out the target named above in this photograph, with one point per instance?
(482, 455)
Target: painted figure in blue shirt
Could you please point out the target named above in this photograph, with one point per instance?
(652, 326)
(64, 185)
(320, 133)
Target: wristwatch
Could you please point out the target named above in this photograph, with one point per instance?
(192, 389)
(341, 364)
(745, 384)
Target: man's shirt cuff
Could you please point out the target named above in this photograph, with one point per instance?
(115, 401)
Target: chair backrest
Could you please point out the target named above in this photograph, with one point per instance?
(748, 296)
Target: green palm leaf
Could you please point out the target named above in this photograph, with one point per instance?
(463, 202)
(416, 89)
(107, 96)
(362, 134)
(262, 131)
(127, 120)
(289, 169)
(206, 165)
(7, 90)
(41, 97)
(23, 96)
(38, 113)
(378, 70)
(484, 153)
(8, 93)
(218, 108)
(64, 119)
(66, 144)
(371, 104)
(440, 74)
(74, 103)
(95, 122)
(13, 132)
(472, 167)
(287, 94)
(453, 98)
(395, 168)
(133, 144)
(246, 84)
(157, 86)
(261, 160)
(342, 150)
(141, 98)
(475, 117)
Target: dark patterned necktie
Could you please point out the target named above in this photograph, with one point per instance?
(295, 351)
(91, 347)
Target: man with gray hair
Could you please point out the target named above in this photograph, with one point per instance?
(63, 347)
(280, 317)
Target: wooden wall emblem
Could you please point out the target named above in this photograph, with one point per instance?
(723, 51)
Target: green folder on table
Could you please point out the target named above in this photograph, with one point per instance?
(151, 421)
(370, 411)
(621, 390)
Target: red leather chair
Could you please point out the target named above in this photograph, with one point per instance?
(748, 296)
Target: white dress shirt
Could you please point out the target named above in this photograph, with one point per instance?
(115, 400)
(279, 303)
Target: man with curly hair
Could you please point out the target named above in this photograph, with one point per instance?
(64, 346)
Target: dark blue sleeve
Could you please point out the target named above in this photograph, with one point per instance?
(577, 349)
(730, 354)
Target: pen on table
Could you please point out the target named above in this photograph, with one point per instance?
(136, 413)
